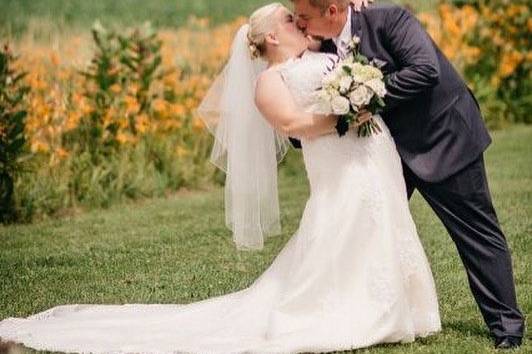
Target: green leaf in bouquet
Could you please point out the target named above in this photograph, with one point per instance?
(349, 117)
(361, 59)
(347, 69)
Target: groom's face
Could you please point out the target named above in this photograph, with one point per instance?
(315, 21)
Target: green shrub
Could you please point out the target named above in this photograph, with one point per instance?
(12, 124)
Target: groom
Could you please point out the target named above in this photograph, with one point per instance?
(440, 135)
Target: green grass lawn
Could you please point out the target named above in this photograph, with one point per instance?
(16, 16)
(177, 250)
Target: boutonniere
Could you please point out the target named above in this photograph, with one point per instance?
(352, 46)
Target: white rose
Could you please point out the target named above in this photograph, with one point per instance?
(375, 72)
(332, 79)
(322, 105)
(357, 67)
(365, 73)
(345, 83)
(340, 105)
(358, 78)
(322, 95)
(369, 96)
(329, 79)
(377, 86)
(357, 73)
(360, 97)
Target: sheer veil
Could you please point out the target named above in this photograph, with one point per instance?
(246, 148)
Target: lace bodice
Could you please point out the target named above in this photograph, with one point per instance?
(303, 76)
(326, 156)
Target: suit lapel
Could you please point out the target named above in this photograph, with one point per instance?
(384, 63)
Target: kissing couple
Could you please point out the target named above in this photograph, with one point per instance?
(354, 274)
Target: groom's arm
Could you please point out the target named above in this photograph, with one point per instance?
(410, 45)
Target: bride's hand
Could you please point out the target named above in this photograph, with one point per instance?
(358, 4)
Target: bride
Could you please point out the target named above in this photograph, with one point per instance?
(353, 275)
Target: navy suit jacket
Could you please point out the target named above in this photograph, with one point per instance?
(432, 115)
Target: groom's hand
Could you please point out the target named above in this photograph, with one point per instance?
(359, 4)
(362, 117)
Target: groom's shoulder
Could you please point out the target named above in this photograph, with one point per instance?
(384, 9)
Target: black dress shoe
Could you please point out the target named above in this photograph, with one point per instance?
(508, 342)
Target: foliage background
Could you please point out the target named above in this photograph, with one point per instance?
(110, 137)
(18, 16)
(111, 103)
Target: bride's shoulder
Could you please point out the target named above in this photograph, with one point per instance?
(313, 61)
(268, 75)
(322, 56)
(274, 72)
(268, 81)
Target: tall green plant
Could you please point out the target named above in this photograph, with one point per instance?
(103, 72)
(12, 126)
(141, 55)
(121, 61)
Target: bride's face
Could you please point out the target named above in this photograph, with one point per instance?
(286, 32)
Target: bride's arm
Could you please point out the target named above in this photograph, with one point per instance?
(276, 104)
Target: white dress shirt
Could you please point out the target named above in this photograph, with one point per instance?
(345, 36)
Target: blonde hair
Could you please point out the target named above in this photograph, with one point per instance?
(324, 4)
(259, 25)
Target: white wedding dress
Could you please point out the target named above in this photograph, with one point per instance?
(353, 275)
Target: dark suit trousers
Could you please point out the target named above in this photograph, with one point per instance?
(463, 203)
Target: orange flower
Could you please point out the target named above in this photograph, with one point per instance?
(159, 105)
(39, 146)
(190, 104)
(133, 89)
(115, 88)
(55, 58)
(73, 120)
(181, 151)
(172, 124)
(142, 123)
(62, 153)
(124, 138)
(178, 109)
(197, 125)
(509, 62)
(132, 106)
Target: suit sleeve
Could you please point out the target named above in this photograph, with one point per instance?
(411, 47)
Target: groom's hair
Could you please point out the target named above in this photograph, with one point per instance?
(324, 4)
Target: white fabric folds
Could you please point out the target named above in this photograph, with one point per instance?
(246, 148)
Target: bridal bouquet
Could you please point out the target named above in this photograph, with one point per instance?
(353, 84)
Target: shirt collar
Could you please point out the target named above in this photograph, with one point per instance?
(345, 36)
